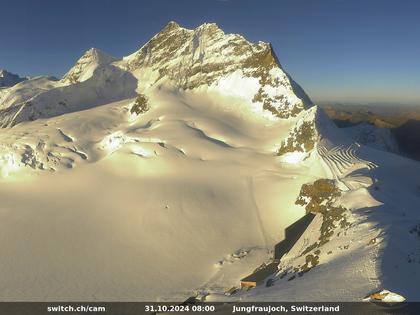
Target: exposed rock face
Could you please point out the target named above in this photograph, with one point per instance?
(203, 58)
(311, 126)
(315, 197)
(303, 136)
(301, 139)
(140, 105)
(320, 197)
(208, 56)
(8, 79)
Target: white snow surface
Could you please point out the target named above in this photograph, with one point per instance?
(111, 203)
(86, 66)
(201, 59)
(375, 137)
(102, 204)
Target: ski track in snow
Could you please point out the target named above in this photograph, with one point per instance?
(342, 161)
(257, 211)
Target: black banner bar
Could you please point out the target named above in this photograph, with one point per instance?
(137, 308)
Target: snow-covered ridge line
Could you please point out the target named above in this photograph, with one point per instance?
(204, 59)
(206, 55)
(86, 65)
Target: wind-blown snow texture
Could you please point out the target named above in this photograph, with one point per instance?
(175, 170)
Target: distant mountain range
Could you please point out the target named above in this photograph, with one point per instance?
(402, 122)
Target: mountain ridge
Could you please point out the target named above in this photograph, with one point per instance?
(85, 65)
(205, 57)
(188, 159)
(8, 79)
(231, 52)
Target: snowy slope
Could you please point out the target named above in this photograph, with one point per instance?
(14, 98)
(86, 65)
(366, 241)
(378, 138)
(25, 90)
(227, 63)
(202, 59)
(172, 191)
(179, 166)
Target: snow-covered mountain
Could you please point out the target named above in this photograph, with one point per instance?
(180, 166)
(8, 79)
(86, 65)
(227, 63)
(204, 58)
(378, 138)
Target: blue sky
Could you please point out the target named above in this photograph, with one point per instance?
(338, 50)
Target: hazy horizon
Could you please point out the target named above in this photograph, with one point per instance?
(344, 102)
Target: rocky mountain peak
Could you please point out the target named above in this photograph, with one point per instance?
(95, 55)
(206, 56)
(172, 25)
(8, 79)
(209, 28)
